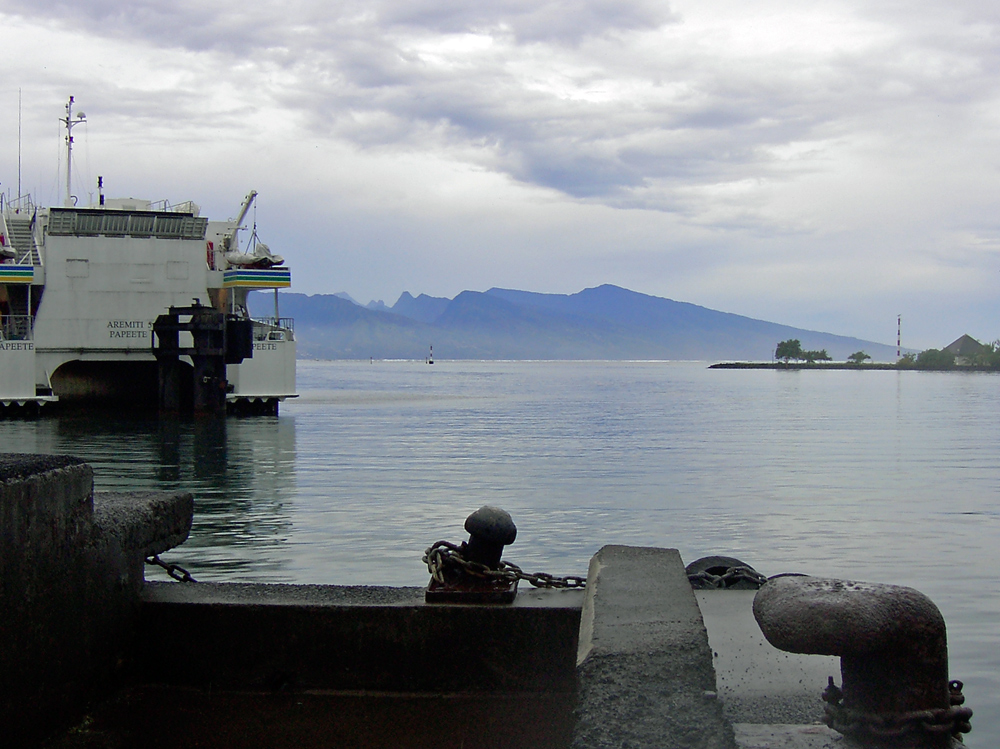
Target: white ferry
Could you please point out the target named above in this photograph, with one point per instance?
(82, 290)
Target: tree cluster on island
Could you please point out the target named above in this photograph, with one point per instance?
(932, 359)
(792, 349)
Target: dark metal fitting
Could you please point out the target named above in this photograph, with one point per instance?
(723, 573)
(490, 529)
(893, 657)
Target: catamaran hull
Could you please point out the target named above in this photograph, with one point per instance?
(79, 301)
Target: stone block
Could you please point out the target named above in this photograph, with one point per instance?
(644, 669)
(71, 570)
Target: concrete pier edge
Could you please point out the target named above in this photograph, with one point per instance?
(71, 571)
(632, 650)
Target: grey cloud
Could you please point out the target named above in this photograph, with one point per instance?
(530, 20)
(348, 68)
(583, 149)
(233, 25)
(180, 24)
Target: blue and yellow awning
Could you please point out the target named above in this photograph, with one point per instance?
(257, 278)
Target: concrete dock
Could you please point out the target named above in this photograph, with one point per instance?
(92, 656)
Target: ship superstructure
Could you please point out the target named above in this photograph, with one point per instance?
(81, 289)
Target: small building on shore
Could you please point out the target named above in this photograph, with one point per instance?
(964, 349)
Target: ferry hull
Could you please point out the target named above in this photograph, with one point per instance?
(270, 373)
(79, 299)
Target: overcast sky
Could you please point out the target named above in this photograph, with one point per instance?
(827, 165)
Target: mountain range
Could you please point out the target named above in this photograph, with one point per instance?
(606, 322)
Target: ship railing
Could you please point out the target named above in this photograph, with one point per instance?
(286, 323)
(15, 328)
(271, 329)
(20, 204)
(32, 255)
(188, 206)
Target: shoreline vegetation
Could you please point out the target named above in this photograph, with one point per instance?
(973, 357)
(799, 365)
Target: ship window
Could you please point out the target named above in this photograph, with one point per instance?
(142, 273)
(77, 268)
(140, 225)
(177, 269)
(62, 222)
(111, 224)
(93, 222)
(169, 226)
(88, 225)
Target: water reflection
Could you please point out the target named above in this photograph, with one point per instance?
(241, 472)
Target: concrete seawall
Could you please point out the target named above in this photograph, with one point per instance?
(70, 579)
(240, 636)
(87, 643)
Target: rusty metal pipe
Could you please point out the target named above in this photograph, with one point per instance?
(891, 641)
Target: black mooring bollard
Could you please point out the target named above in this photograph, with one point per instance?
(490, 529)
(473, 572)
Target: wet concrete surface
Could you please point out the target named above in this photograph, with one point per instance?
(19, 466)
(757, 683)
(765, 736)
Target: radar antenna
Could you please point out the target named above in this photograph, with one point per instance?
(70, 123)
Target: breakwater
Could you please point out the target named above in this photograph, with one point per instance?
(878, 366)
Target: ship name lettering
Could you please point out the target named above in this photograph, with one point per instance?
(127, 329)
(265, 347)
(17, 346)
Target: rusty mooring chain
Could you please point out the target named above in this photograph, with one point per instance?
(705, 579)
(175, 571)
(443, 555)
(953, 720)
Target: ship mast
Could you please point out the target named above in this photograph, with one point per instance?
(69, 122)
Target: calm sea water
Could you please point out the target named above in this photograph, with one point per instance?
(880, 476)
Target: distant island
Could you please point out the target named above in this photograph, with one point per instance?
(606, 322)
(965, 354)
(803, 365)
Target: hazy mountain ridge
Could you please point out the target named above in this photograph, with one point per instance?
(422, 308)
(606, 322)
